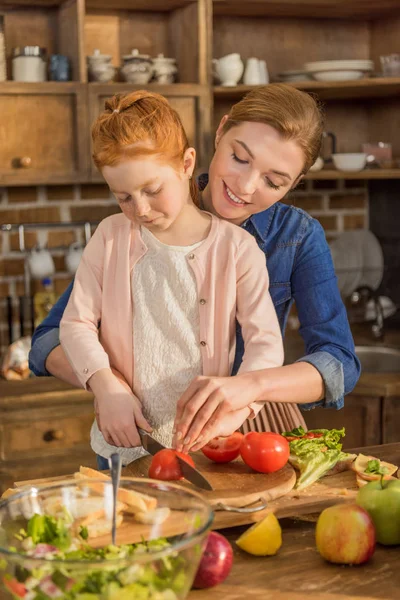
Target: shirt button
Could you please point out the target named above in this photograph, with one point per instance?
(191, 256)
(203, 343)
(86, 370)
(202, 301)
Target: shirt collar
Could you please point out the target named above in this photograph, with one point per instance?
(261, 221)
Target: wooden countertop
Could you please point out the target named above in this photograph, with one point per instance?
(298, 572)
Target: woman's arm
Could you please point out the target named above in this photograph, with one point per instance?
(263, 348)
(46, 357)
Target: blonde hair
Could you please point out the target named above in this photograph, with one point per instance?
(138, 124)
(295, 114)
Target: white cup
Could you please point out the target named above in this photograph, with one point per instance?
(73, 257)
(40, 263)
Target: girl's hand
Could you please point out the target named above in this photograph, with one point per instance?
(118, 410)
(203, 409)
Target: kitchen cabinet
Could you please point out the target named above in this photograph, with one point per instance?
(284, 33)
(43, 133)
(187, 99)
(44, 429)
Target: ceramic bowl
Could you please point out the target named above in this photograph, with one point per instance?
(350, 161)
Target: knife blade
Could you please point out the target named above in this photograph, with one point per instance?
(189, 472)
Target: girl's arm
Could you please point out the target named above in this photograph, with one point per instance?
(117, 408)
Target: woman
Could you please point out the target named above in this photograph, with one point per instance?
(264, 147)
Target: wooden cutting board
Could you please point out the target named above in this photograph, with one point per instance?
(234, 483)
(277, 489)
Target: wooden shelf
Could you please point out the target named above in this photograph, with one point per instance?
(326, 9)
(366, 174)
(136, 5)
(379, 87)
(173, 89)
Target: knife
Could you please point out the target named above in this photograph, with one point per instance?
(189, 472)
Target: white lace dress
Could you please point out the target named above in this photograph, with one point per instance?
(166, 339)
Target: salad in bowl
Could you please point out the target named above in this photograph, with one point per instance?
(55, 541)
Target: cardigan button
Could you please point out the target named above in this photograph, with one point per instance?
(86, 370)
(191, 256)
(203, 343)
(202, 301)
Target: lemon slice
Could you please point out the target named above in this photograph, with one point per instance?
(263, 538)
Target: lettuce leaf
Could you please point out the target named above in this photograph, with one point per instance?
(314, 457)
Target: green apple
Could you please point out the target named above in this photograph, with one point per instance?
(381, 499)
(345, 534)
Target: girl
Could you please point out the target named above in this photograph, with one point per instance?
(159, 288)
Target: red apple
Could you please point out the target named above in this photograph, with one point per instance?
(216, 562)
(345, 534)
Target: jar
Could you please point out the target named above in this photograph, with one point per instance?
(165, 69)
(137, 68)
(100, 68)
(29, 64)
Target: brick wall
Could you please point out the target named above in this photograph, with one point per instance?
(338, 205)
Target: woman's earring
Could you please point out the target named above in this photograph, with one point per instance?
(190, 177)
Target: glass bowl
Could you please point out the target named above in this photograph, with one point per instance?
(47, 536)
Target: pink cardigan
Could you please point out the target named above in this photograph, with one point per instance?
(96, 330)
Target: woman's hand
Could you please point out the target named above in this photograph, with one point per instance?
(207, 404)
(118, 410)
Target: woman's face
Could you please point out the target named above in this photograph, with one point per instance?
(253, 167)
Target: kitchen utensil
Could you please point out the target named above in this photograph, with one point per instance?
(164, 69)
(174, 567)
(372, 261)
(379, 153)
(252, 72)
(115, 468)
(189, 473)
(29, 64)
(350, 161)
(339, 70)
(137, 68)
(233, 484)
(73, 257)
(59, 67)
(347, 258)
(294, 75)
(100, 67)
(390, 65)
(264, 75)
(40, 263)
(318, 164)
(229, 69)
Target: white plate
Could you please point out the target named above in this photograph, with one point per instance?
(325, 65)
(347, 258)
(338, 75)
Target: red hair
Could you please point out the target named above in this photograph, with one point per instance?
(138, 124)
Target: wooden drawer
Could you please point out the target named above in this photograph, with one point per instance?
(45, 436)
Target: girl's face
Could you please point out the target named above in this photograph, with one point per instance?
(253, 167)
(149, 192)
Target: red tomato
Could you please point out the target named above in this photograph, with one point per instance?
(165, 465)
(15, 587)
(223, 449)
(265, 452)
(312, 435)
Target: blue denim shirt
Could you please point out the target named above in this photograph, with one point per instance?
(301, 270)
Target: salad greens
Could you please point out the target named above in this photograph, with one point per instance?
(165, 578)
(315, 452)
